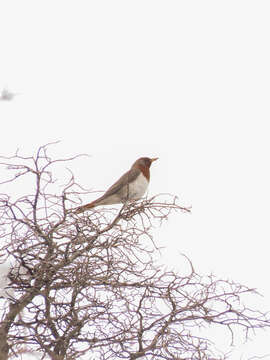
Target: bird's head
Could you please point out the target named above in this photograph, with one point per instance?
(145, 162)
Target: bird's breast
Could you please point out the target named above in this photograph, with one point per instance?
(137, 188)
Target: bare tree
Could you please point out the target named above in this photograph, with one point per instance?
(87, 286)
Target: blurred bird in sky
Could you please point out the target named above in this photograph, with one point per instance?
(7, 95)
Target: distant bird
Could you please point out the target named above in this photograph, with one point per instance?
(6, 95)
(131, 186)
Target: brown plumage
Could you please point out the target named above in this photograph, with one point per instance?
(131, 186)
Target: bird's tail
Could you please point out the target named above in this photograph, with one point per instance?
(83, 208)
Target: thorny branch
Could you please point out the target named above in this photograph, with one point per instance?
(87, 285)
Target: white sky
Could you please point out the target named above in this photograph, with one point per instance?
(187, 81)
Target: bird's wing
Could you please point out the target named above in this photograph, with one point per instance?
(128, 177)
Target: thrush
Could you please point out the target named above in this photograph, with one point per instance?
(131, 186)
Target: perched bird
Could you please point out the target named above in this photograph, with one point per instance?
(131, 186)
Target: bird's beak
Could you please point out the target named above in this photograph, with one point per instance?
(154, 159)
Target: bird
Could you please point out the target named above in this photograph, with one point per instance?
(6, 95)
(131, 186)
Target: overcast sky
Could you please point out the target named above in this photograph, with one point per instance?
(185, 81)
